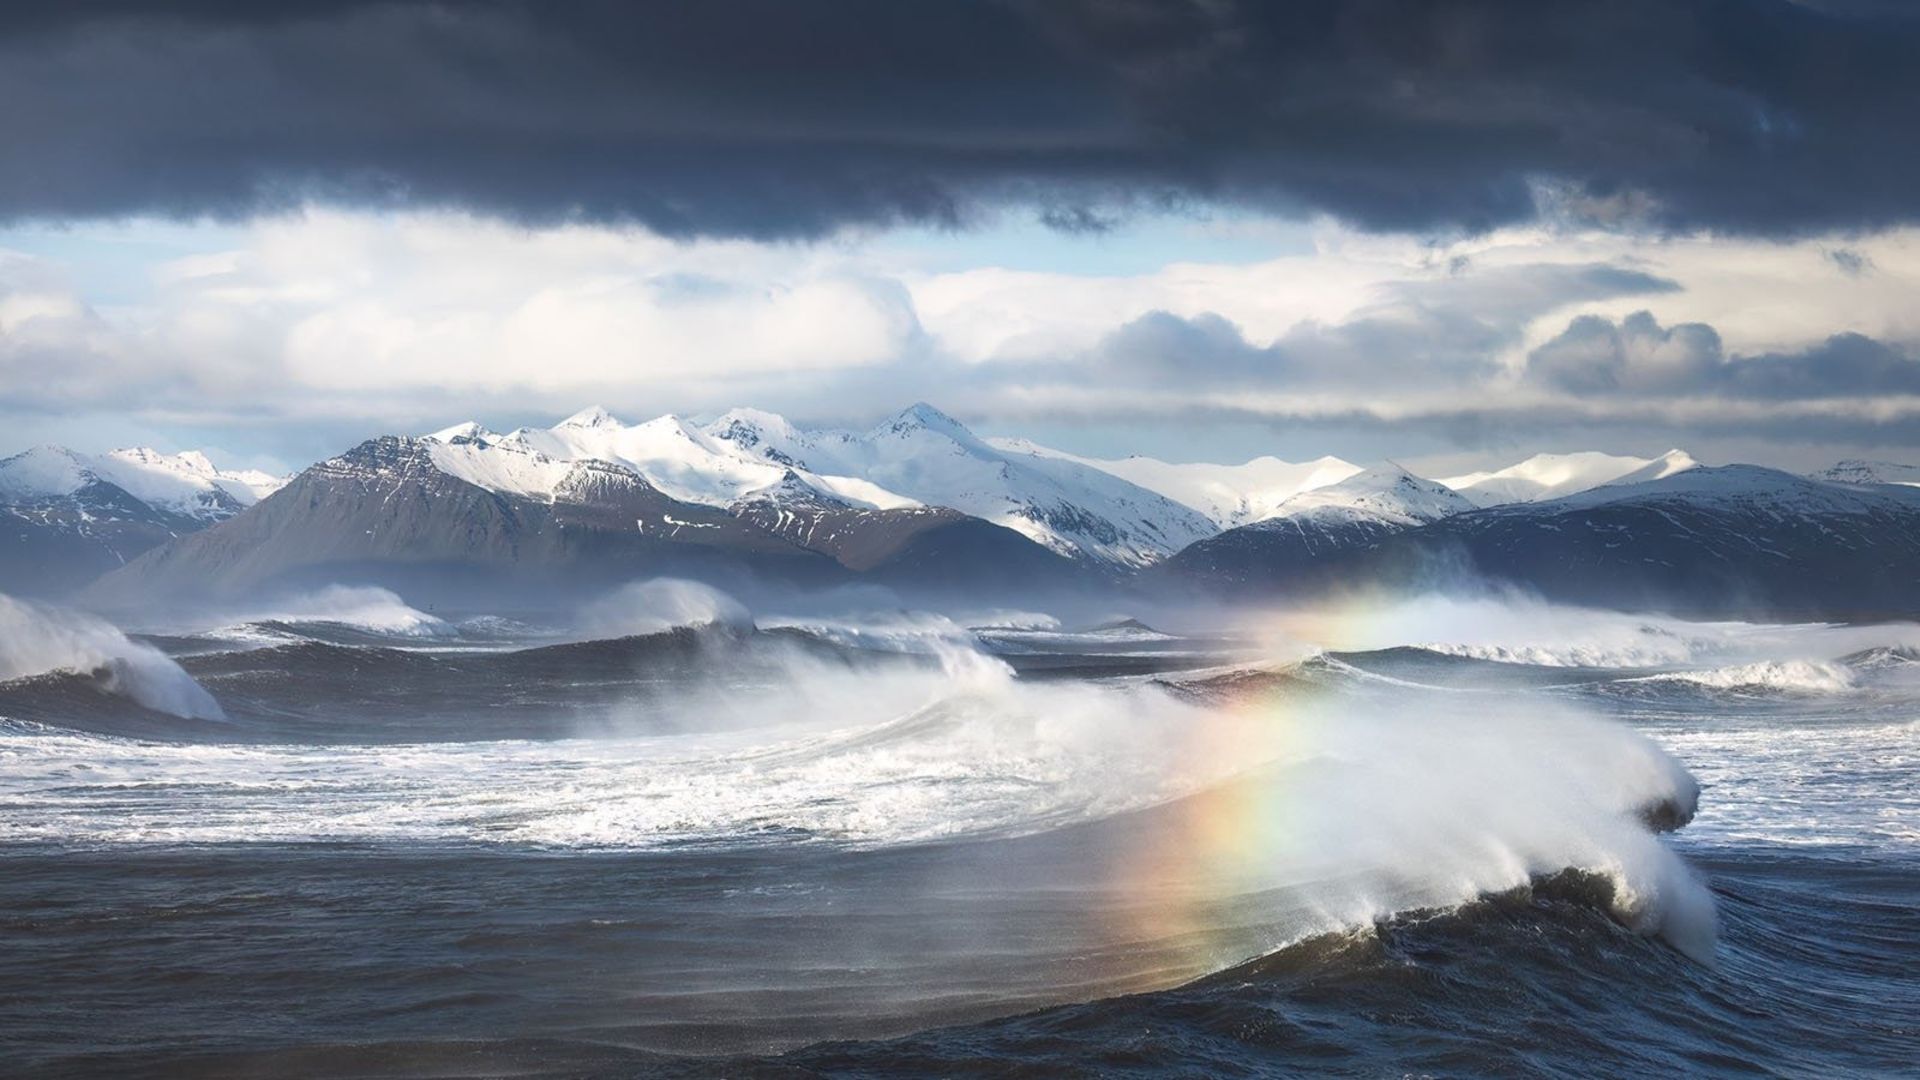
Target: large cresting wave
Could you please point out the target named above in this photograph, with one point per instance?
(1177, 804)
(38, 639)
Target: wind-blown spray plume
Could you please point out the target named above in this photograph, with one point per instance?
(38, 639)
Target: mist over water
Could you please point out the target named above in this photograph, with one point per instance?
(650, 607)
(757, 831)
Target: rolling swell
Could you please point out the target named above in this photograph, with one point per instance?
(331, 692)
(95, 701)
(1353, 865)
(1536, 981)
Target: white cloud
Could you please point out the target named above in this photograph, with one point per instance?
(431, 317)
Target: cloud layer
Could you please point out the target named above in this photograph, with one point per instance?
(339, 325)
(1638, 357)
(762, 118)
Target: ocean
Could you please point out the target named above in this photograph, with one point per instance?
(1426, 837)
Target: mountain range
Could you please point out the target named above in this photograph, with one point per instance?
(66, 517)
(1736, 540)
(920, 502)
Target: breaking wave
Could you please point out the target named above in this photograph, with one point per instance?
(824, 818)
(346, 612)
(1339, 812)
(37, 639)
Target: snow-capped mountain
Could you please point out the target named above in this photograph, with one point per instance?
(1856, 471)
(66, 517)
(526, 528)
(919, 458)
(1550, 476)
(1312, 526)
(919, 502)
(1386, 494)
(1229, 495)
(187, 484)
(1735, 541)
(1753, 487)
(674, 456)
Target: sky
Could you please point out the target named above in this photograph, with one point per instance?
(1448, 234)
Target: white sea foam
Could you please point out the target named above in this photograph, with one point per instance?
(1843, 780)
(1354, 805)
(38, 639)
(1364, 808)
(1794, 676)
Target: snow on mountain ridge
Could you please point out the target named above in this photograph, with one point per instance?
(921, 415)
(43, 471)
(1386, 494)
(1550, 476)
(1671, 463)
(918, 457)
(466, 429)
(593, 416)
(150, 475)
(1858, 471)
(1072, 508)
(496, 466)
(1769, 491)
(187, 483)
(1229, 495)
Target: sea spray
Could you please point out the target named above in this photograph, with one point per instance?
(361, 609)
(660, 604)
(1315, 811)
(38, 638)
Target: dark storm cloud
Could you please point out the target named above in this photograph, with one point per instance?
(768, 118)
(1638, 356)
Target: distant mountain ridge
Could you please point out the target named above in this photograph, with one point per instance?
(918, 458)
(1735, 540)
(1322, 524)
(1871, 472)
(185, 484)
(1228, 495)
(920, 501)
(1550, 476)
(66, 517)
(392, 511)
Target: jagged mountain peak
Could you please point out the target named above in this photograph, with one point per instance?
(593, 416)
(919, 458)
(465, 431)
(921, 416)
